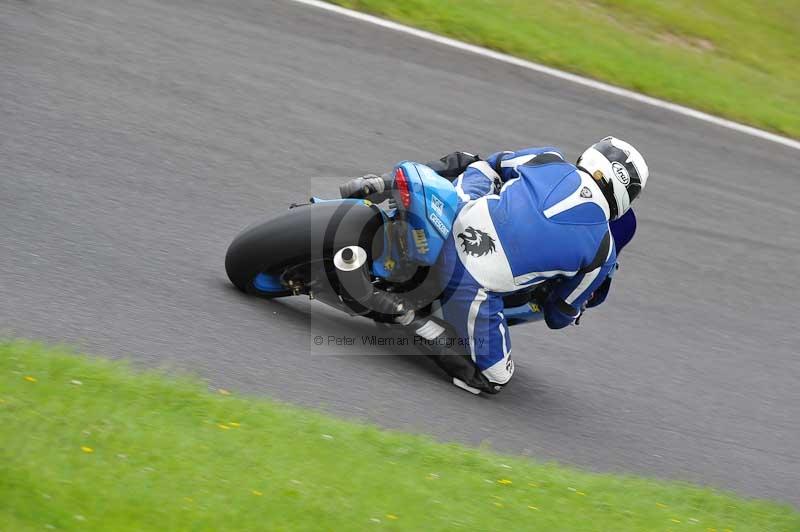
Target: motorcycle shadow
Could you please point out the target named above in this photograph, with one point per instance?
(409, 380)
(389, 349)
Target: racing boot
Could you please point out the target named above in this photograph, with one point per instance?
(445, 350)
(465, 373)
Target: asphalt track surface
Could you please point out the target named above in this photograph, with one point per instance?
(137, 138)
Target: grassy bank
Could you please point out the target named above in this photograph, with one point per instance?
(91, 445)
(735, 58)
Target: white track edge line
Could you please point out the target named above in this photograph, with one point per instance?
(574, 78)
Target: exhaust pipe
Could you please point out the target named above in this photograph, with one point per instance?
(358, 292)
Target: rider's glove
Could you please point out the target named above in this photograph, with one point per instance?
(599, 295)
(580, 314)
(453, 164)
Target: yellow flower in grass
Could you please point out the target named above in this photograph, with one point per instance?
(504, 482)
(86, 449)
(392, 517)
(30, 378)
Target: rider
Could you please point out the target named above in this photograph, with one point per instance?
(530, 219)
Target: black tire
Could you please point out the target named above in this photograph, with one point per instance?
(300, 236)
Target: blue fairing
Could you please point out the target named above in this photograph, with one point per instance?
(430, 217)
(523, 313)
(431, 212)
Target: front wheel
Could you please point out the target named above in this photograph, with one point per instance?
(259, 256)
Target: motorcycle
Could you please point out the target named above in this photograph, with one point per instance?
(373, 260)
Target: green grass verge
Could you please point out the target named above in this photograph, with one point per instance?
(89, 444)
(735, 58)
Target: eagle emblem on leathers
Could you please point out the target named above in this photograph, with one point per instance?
(476, 242)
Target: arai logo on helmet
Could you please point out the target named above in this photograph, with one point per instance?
(622, 173)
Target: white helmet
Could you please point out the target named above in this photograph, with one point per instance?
(619, 170)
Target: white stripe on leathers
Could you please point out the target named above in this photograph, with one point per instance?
(589, 278)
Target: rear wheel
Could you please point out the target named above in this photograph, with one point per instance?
(259, 257)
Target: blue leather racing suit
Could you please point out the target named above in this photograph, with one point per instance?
(523, 218)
